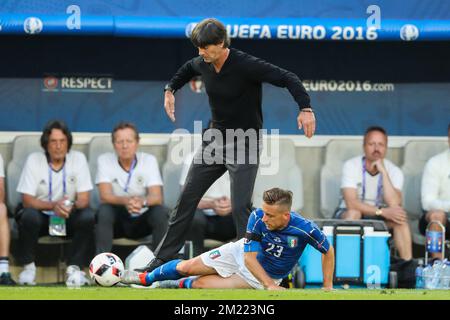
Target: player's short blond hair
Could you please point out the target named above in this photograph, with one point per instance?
(277, 196)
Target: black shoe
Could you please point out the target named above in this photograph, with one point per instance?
(152, 265)
(6, 280)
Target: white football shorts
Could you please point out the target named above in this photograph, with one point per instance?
(228, 260)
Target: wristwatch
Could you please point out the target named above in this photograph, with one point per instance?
(307, 109)
(168, 88)
(144, 204)
(378, 212)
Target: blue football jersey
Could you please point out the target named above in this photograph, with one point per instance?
(279, 250)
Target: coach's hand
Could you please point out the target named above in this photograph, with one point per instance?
(307, 121)
(169, 104)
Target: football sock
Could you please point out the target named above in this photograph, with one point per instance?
(167, 271)
(4, 264)
(187, 282)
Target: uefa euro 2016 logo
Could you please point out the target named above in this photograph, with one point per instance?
(32, 25)
(189, 28)
(409, 32)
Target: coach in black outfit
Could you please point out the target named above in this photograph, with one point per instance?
(233, 82)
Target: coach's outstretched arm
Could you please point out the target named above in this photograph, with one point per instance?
(184, 74)
(260, 70)
(257, 270)
(328, 269)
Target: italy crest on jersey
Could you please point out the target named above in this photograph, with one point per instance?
(292, 241)
(214, 254)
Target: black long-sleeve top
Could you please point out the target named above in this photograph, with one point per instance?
(235, 93)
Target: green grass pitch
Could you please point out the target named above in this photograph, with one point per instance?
(125, 293)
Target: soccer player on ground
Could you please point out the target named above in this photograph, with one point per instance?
(273, 244)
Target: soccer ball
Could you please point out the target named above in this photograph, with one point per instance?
(105, 269)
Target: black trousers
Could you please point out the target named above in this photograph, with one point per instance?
(203, 227)
(80, 228)
(115, 222)
(201, 175)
